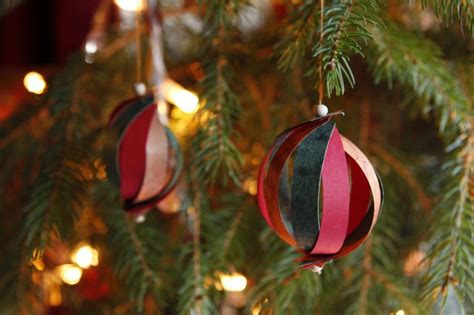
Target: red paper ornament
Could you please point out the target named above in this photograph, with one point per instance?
(143, 155)
(331, 200)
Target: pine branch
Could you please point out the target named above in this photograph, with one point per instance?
(216, 152)
(346, 29)
(451, 10)
(298, 35)
(59, 192)
(417, 65)
(135, 260)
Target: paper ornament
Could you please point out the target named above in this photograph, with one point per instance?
(319, 192)
(143, 155)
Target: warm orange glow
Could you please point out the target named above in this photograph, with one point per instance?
(234, 282)
(85, 256)
(69, 273)
(130, 5)
(185, 100)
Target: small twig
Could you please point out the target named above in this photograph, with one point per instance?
(337, 38)
(366, 267)
(137, 244)
(463, 196)
(139, 47)
(231, 232)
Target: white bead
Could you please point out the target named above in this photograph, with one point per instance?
(140, 219)
(140, 88)
(322, 110)
(316, 269)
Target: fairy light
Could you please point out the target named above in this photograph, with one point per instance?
(130, 5)
(234, 282)
(400, 312)
(34, 83)
(69, 273)
(250, 185)
(85, 256)
(90, 47)
(176, 94)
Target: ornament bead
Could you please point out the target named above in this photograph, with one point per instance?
(322, 110)
(140, 88)
(140, 219)
(317, 269)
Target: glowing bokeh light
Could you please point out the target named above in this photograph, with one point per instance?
(70, 274)
(185, 100)
(85, 256)
(130, 5)
(34, 83)
(234, 282)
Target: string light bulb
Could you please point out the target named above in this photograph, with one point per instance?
(69, 273)
(234, 282)
(34, 83)
(130, 5)
(400, 312)
(85, 256)
(185, 100)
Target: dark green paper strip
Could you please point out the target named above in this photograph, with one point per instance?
(305, 186)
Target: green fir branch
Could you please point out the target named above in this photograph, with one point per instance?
(138, 257)
(298, 34)
(416, 63)
(454, 10)
(217, 155)
(59, 192)
(346, 29)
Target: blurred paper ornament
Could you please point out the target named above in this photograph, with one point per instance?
(143, 155)
(332, 199)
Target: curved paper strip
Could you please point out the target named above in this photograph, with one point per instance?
(156, 160)
(262, 173)
(131, 154)
(335, 215)
(125, 105)
(355, 153)
(361, 232)
(137, 208)
(272, 178)
(306, 184)
(118, 123)
(360, 196)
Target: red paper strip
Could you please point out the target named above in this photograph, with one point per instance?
(335, 214)
(132, 157)
(156, 153)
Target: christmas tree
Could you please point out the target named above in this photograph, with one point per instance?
(402, 73)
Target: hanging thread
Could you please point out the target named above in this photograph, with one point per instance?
(321, 38)
(159, 67)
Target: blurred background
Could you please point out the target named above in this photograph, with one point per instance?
(242, 72)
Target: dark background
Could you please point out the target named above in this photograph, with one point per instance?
(39, 32)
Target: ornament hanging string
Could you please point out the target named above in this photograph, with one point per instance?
(321, 38)
(156, 44)
(139, 48)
